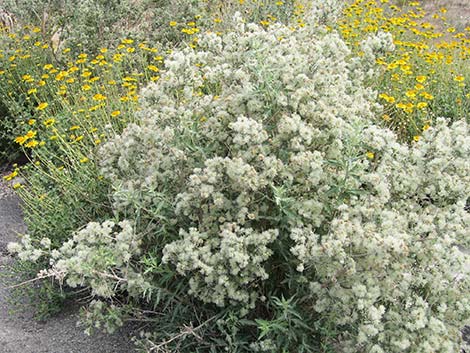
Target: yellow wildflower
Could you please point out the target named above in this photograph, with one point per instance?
(387, 98)
(99, 97)
(32, 144)
(21, 140)
(421, 79)
(11, 176)
(427, 95)
(419, 87)
(42, 106)
(49, 122)
(410, 93)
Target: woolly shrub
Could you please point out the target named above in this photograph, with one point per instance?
(258, 201)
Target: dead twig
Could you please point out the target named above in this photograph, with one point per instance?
(186, 331)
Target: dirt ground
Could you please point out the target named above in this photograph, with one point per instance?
(457, 11)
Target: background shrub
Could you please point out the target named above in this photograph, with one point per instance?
(89, 25)
(426, 76)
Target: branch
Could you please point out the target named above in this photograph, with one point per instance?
(41, 275)
(188, 330)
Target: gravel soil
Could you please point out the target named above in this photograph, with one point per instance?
(457, 11)
(19, 331)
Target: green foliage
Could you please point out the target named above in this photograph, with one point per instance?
(56, 202)
(27, 295)
(9, 151)
(260, 208)
(249, 203)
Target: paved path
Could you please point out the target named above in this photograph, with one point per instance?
(20, 333)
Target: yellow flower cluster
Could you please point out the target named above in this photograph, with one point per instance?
(425, 76)
(76, 102)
